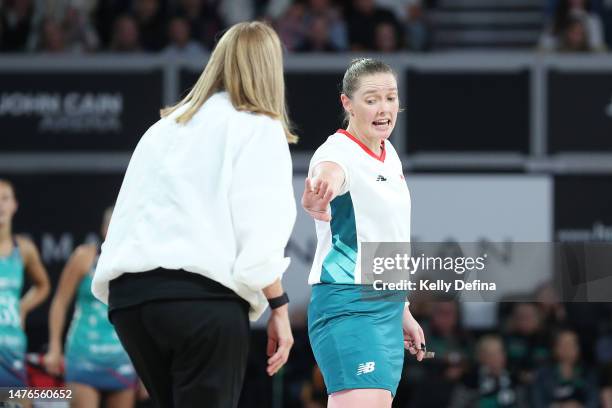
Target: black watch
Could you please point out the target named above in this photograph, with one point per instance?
(278, 301)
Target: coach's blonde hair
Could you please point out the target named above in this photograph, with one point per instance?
(247, 63)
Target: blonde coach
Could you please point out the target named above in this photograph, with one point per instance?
(196, 242)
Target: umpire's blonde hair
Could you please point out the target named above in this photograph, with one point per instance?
(248, 64)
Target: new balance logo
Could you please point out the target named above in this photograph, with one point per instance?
(365, 368)
(381, 178)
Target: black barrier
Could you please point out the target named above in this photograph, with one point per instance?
(187, 79)
(467, 111)
(446, 110)
(77, 111)
(313, 100)
(314, 106)
(583, 225)
(59, 212)
(583, 208)
(579, 111)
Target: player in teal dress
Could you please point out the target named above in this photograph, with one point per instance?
(96, 364)
(18, 257)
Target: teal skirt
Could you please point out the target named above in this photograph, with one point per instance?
(356, 336)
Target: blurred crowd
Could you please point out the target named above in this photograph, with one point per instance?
(576, 25)
(538, 354)
(191, 26)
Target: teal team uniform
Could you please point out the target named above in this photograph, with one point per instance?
(94, 355)
(355, 332)
(13, 341)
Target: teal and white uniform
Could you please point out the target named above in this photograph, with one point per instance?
(94, 354)
(13, 341)
(357, 343)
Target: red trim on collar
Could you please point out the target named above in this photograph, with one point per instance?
(383, 151)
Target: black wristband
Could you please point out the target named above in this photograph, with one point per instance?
(278, 301)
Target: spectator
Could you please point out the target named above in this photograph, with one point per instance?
(272, 9)
(526, 342)
(574, 37)
(125, 35)
(606, 386)
(490, 384)
(57, 9)
(73, 20)
(397, 7)
(566, 382)
(69, 13)
(235, 11)
(452, 348)
(105, 15)
(291, 27)
(336, 25)
(603, 345)
(418, 31)
(150, 24)
(414, 372)
(551, 6)
(362, 18)
(52, 37)
(565, 27)
(180, 39)
(203, 18)
(79, 32)
(317, 37)
(603, 354)
(15, 24)
(606, 397)
(552, 311)
(386, 38)
(588, 319)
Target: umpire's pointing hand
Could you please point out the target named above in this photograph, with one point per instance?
(280, 339)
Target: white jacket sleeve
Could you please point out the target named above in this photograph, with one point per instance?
(262, 205)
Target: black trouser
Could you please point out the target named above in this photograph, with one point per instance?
(188, 353)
